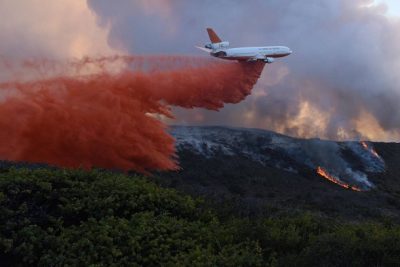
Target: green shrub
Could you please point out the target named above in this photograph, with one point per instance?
(80, 218)
(60, 217)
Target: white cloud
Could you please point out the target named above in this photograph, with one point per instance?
(47, 28)
(393, 6)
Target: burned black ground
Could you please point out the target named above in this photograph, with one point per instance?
(255, 188)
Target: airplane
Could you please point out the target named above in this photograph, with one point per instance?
(220, 49)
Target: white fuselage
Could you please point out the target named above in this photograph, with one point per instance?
(251, 52)
(266, 53)
(221, 49)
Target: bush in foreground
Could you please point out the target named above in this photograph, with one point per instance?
(61, 217)
(79, 218)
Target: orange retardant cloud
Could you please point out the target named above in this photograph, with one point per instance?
(102, 119)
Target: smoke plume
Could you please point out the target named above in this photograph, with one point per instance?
(341, 82)
(85, 113)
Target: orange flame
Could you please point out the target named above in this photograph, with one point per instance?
(321, 171)
(370, 149)
(364, 144)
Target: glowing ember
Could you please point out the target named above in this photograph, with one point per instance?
(321, 171)
(370, 149)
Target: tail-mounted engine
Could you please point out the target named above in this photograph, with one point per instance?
(217, 46)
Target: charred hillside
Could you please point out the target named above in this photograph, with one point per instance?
(256, 172)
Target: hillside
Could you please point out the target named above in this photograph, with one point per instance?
(257, 172)
(262, 203)
(78, 218)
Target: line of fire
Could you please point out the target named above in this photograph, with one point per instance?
(325, 174)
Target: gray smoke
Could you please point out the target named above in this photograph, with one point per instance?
(340, 83)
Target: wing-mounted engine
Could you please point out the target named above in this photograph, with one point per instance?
(260, 57)
(217, 46)
(219, 54)
(269, 60)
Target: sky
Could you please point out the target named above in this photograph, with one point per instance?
(63, 29)
(340, 82)
(393, 7)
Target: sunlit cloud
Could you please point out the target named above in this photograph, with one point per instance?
(47, 28)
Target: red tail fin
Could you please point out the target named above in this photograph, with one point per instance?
(213, 36)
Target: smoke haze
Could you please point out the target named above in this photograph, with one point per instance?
(50, 29)
(340, 83)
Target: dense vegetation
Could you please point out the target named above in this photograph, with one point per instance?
(79, 218)
(247, 186)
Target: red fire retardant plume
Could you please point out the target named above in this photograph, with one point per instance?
(102, 119)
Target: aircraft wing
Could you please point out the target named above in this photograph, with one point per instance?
(204, 49)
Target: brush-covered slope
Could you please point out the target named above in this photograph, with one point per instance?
(77, 218)
(259, 170)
